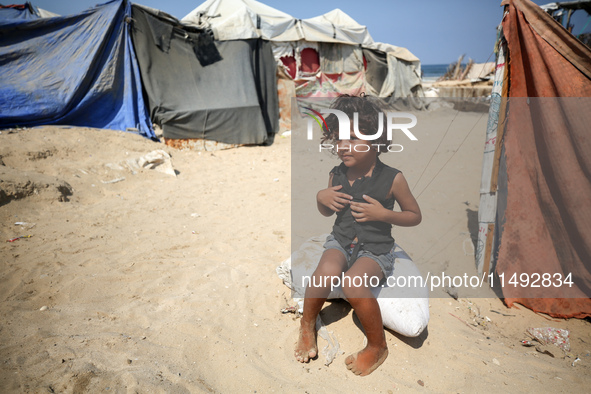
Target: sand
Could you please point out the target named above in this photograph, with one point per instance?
(162, 283)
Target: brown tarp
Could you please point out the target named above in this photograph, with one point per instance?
(547, 143)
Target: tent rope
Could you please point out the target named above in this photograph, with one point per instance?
(431, 158)
(451, 157)
(423, 258)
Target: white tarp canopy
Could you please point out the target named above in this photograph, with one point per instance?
(46, 14)
(399, 52)
(244, 19)
(247, 19)
(335, 26)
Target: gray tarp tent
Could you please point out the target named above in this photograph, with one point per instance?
(199, 88)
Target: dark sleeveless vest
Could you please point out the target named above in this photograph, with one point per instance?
(374, 237)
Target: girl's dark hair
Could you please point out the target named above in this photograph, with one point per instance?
(369, 110)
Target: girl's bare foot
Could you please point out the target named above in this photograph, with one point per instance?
(367, 360)
(306, 348)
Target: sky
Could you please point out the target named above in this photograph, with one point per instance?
(436, 31)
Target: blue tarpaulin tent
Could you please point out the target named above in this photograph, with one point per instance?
(77, 70)
(24, 12)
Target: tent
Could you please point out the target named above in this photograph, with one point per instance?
(18, 12)
(77, 70)
(24, 11)
(82, 70)
(535, 206)
(316, 57)
(215, 75)
(198, 88)
(243, 19)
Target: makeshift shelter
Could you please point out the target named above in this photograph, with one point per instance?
(243, 19)
(82, 70)
(18, 12)
(316, 57)
(44, 13)
(24, 11)
(469, 81)
(560, 10)
(198, 88)
(77, 70)
(535, 206)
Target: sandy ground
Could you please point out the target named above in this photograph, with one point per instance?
(158, 283)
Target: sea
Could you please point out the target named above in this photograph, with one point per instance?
(431, 72)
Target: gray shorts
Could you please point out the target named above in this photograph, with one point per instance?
(385, 261)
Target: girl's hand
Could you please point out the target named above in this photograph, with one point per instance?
(333, 199)
(372, 211)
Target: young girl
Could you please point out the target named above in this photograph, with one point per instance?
(362, 191)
